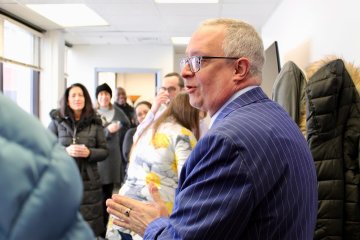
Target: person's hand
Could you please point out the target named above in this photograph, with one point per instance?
(78, 150)
(135, 215)
(161, 98)
(114, 126)
(158, 202)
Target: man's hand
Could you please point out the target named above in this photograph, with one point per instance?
(136, 215)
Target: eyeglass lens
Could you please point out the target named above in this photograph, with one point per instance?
(194, 63)
(169, 89)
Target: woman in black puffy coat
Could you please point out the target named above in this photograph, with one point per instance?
(80, 131)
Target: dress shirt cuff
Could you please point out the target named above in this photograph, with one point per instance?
(155, 228)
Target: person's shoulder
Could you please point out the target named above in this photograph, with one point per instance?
(230, 128)
(263, 119)
(116, 107)
(176, 129)
(129, 107)
(131, 131)
(121, 115)
(169, 122)
(96, 119)
(31, 135)
(118, 110)
(54, 114)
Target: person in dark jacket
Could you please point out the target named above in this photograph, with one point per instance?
(40, 185)
(123, 105)
(79, 129)
(116, 123)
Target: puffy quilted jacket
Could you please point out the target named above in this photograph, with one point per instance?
(40, 185)
(333, 128)
(90, 133)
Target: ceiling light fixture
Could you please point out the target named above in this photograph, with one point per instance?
(186, 1)
(69, 15)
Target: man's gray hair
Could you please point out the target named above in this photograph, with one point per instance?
(241, 40)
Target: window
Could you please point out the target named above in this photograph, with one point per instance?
(18, 85)
(19, 78)
(66, 57)
(18, 44)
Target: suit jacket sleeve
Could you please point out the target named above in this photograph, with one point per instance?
(214, 181)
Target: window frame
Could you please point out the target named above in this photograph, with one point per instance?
(34, 67)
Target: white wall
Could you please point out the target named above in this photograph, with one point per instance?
(83, 60)
(141, 84)
(52, 84)
(308, 30)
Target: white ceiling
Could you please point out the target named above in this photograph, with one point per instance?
(144, 21)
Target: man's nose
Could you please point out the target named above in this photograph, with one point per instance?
(186, 72)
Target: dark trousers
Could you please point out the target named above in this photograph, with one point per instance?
(125, 236)
(107, 193)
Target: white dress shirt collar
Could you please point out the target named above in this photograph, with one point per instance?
(233, 97)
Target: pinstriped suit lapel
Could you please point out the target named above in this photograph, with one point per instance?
(248, 97)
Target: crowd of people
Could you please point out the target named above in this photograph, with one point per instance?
(111, 142)
(157, 171)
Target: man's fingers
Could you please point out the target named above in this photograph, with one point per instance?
(112, 208)
(155, 194)
(122, 223)
(125, 201)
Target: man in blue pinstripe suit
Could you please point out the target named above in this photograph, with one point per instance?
(252, 175)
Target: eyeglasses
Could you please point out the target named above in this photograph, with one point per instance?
(195, 62)
(169, 89)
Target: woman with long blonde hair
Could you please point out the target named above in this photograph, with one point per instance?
(158, 156)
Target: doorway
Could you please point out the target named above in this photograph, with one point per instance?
(142, 83)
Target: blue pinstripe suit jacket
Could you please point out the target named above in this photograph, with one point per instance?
(250, 177)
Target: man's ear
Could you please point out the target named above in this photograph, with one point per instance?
(242, 68)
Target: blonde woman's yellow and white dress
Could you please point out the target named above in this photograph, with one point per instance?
(156, 158)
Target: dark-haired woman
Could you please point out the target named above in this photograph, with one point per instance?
(80, 131)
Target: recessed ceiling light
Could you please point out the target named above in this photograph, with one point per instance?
(186, 1)
(180, 40)
(69, 15)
